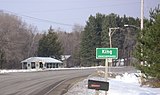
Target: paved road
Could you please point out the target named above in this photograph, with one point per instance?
(39, 83)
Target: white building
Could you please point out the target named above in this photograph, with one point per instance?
(40, 63)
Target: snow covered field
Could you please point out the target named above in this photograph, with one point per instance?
(121, 85)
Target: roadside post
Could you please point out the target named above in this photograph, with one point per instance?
(106, 53)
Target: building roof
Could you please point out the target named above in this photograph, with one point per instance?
(41, 59)
(65, 57)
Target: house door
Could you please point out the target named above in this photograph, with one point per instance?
(41, 65)
(33, 65)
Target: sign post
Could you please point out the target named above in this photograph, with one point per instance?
(105, 53)
(106, 69)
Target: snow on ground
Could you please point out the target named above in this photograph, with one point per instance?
(34, 70)
(20, 70)
(121, 85)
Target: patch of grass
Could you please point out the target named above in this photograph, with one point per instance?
(155, 83)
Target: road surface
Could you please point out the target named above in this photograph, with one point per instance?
(40, 83)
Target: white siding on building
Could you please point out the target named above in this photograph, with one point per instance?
(40, 62)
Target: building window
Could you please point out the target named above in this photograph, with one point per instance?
(24, 65)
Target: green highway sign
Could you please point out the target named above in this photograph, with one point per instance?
(103, 53)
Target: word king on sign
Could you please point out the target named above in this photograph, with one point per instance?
(107, 51)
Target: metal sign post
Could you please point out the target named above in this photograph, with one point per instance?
(97, 92)
(105, 53)
(106, 72)
(106, 69)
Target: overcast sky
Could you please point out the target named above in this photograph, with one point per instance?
(65, 13)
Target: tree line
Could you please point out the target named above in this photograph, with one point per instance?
(20, 40)
(96, 35)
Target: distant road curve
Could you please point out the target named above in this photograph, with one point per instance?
(44, 82)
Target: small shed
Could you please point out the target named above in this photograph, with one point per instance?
(41, 63)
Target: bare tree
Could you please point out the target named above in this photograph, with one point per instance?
(16, 39)
(71, 43)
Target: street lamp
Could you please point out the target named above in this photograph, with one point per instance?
(126, 25)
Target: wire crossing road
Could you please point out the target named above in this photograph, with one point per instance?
(40, 83)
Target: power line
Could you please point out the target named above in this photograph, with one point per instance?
(83, 8)
(64, 24)
(40, 19)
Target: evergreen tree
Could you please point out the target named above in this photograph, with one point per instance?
(91, 39)
(150, 45)
(95, 35)
(49, 46)
(118, 37)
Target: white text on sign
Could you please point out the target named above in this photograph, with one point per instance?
(107, 51)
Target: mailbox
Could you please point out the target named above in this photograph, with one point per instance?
(98, 85)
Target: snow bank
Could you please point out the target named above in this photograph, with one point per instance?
(33, 70)
(127, 78)
(12, 71)
(127, 84)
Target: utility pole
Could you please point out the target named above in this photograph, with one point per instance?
(142, 15)
(110, 33)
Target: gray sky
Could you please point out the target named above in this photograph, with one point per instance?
(65, 13)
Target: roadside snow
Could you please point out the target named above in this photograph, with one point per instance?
(33, 70)
(12, 71)
(121, 85)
